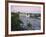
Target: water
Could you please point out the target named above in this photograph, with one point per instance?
(34, 22)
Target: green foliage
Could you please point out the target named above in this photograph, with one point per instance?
(29, 25)
(15, 22)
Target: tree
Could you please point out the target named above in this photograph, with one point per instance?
(15, 22)
(29, 26)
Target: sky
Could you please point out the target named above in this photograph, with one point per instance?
(26, 9)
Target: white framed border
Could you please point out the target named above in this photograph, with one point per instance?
(28, 31)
